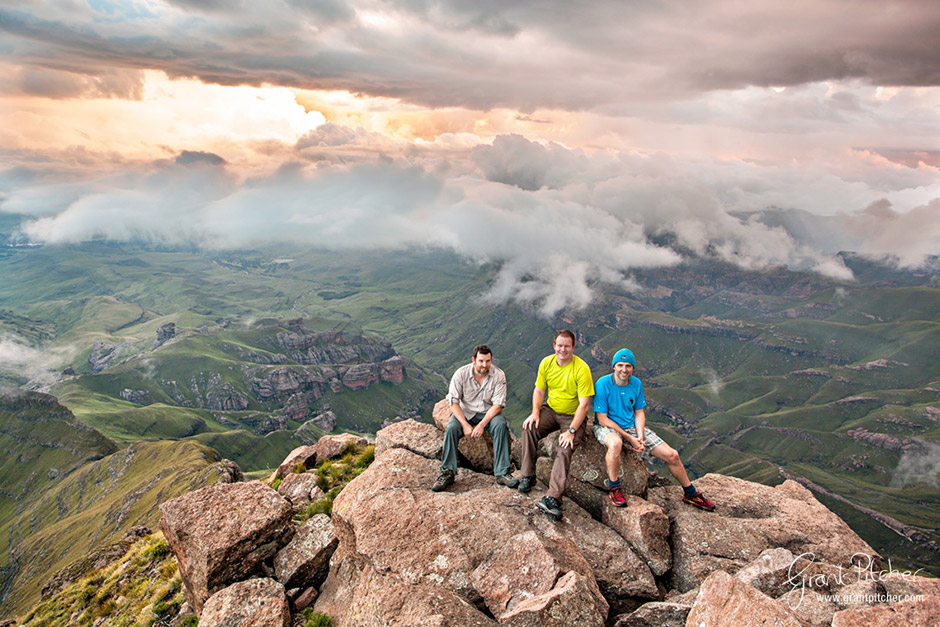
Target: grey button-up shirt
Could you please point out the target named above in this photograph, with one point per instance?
(473, 397)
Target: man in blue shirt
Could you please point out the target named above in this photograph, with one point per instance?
(618, 411)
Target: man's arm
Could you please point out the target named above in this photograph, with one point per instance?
(458, 414)
(640, 417)
(532, 422)
(604, 420)
(490, 413)
(584, 404)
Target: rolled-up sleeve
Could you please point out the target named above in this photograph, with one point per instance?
(499, 390)
(455, 391)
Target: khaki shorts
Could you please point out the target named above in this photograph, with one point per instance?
(652, 440)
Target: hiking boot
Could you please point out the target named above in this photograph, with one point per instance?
(526, 484)
(700, 502)
(616, 497)
(445, 479)
(551, 506)
(507, 480)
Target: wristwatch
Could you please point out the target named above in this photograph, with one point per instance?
(571, 431)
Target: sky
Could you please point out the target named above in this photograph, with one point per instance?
(562, 140)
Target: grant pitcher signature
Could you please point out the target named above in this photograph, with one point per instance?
(863, 569)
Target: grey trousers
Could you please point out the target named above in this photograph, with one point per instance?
(498, 430)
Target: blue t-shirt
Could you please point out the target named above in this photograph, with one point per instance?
(619, 401)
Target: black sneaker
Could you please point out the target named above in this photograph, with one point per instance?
(526, 484)
(551, 506)
(507, 480)
(446, 478)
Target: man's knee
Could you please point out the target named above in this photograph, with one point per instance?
(614, 443)
(454, 426)
(498, 425)
(667, 454)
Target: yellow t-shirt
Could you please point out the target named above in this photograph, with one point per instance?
(565, 384)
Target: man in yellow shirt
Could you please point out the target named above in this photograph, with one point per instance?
(566, 381)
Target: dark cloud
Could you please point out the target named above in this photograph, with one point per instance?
(188, 157)
(525, 55)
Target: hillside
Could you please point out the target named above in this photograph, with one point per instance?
(72, 492)
(758, 374)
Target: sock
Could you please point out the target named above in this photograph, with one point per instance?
(690, 491)
(613, 484)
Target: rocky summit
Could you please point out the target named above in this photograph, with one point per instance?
(395, 553)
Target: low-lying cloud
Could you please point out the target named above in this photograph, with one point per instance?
(557, 220)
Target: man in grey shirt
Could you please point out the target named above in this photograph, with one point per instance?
(477, 396)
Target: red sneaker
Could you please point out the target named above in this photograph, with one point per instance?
(700, 502)
(616, 497)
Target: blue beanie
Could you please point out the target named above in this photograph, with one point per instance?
(624, 354)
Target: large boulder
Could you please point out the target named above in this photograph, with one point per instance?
(418, 437)
(477, 453)
(300, 489)
(749, 519)
(570, 603)
(252, 603)
(645, 527)
(912, 613)
(479, 541)
(724, 600)
(305, 455)
(333, 446)
(305, 560)
(655, 614)
(222, 533)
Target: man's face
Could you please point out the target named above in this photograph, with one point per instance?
(622, 372)
(564, 349)
(481, 363)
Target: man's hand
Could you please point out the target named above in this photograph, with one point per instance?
(467, 430)
(478, 431)
(532, 422)
(566, 439)
(636, 444)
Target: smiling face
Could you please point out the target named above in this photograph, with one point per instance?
(481, 363)
(622, 372)
(564, 349)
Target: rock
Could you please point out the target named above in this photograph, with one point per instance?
(922, 613)
(723, 600)
(477, 540)
(262, 424)
(165, 333)
(655, 614)
(749, 519)
(300, 489)
(571, 603)
(222, 533)
(360, 376)
(296, 407)
(392, 370)
(305, 560)
(305, 599)
(773, 571)
(645, 527)
(528, 564)
(418, 437)
(357, 594)
(138, 397)
(622, 576)
(283, 383)
(333, 446)
(305, 455)
(326, 421)
(252, 603)
(477, 452)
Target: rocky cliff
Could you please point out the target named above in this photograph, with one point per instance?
(395, 553)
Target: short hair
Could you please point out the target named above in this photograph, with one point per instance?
(566, 333)
(481, 348)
